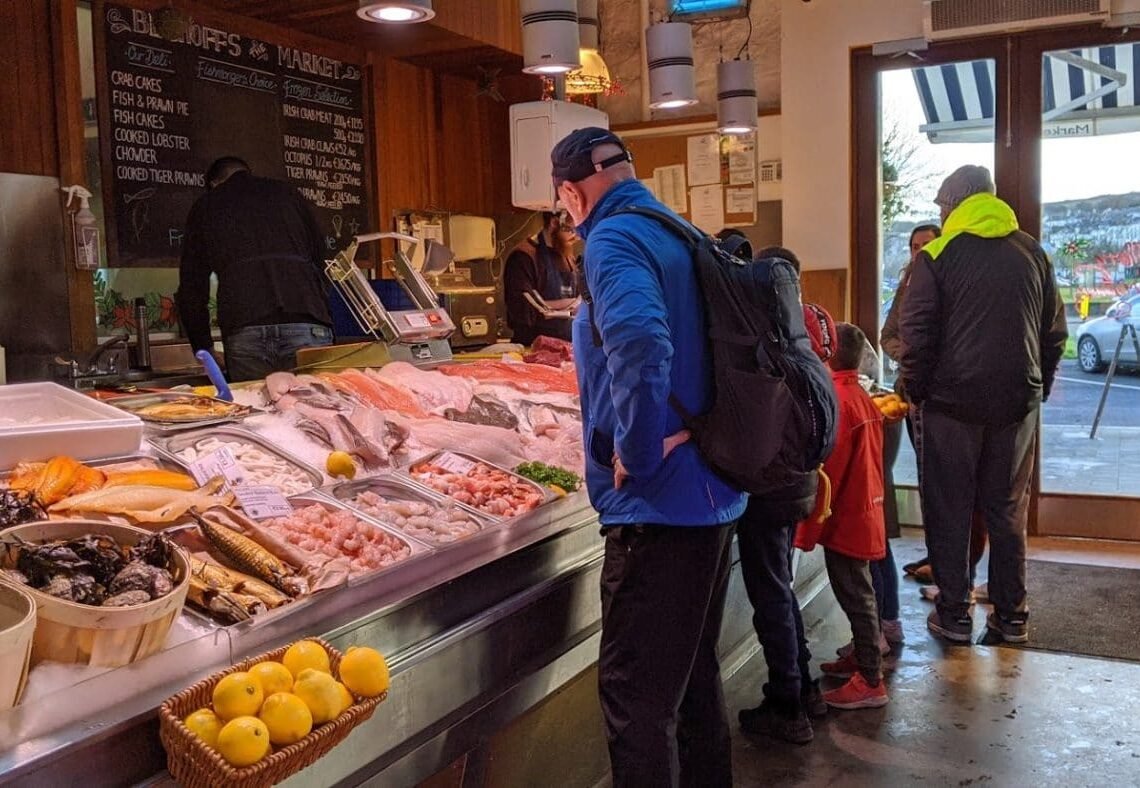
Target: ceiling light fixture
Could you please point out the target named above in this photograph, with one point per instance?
(395, 12)
(669, 50)
(550, 36)
(736, 102)
(594, 75)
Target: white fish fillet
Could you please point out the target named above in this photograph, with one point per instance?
(145, 503)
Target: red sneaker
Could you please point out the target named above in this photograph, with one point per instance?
(857, 694)
(842, 668)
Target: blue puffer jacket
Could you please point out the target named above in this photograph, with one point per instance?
(648, 311)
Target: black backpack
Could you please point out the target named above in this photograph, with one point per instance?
(774, 413)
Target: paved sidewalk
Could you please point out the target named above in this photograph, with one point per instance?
(1108, 465)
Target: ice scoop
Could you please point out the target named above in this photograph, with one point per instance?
(214, 373)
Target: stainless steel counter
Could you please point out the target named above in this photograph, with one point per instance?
(477, 635)
(439, 618)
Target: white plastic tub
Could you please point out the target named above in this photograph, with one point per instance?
(41, 420)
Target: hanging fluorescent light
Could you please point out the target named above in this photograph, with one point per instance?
(550, 36)
(736, 103)
(396, 12)
(594, 75)
(669, 50)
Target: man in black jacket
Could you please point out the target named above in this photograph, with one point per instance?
(260, 238)
(983, 329)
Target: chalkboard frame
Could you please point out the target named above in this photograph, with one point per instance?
(251, 28)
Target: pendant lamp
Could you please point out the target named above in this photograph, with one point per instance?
(395, 12)
(669, 50)
(594, 75)
(736, 102)
(550, 36)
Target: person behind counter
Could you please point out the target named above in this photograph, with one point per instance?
(261, 239)
(544, 265)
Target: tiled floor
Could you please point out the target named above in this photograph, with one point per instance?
(962, 716)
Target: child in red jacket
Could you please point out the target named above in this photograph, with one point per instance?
(854, 534)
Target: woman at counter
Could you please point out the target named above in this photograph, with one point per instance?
(544, 265)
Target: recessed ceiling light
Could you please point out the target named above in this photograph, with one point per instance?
(399, 12)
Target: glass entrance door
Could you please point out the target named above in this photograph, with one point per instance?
(1090, 226)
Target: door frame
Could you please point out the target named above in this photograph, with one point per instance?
(1017, 175)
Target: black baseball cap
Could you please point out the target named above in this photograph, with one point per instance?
(571, 160)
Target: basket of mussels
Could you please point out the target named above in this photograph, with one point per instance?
(106, 594)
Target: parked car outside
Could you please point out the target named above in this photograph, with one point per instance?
(1097, 338)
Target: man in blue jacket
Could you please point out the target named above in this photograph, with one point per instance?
(666, 517)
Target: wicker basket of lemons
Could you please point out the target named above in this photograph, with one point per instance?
(266, 718)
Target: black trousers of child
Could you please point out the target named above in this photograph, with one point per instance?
(663, 592)
(764, 535)
(851, 582)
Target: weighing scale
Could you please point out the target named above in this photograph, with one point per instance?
(418, 336)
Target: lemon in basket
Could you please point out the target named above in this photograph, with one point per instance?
(346, 699)
(204, 724)
(287, 718)
(274, 677)
(364, 671)
(340, 464)
(320, 693)
(306, 654)
(243, 741)
(238, 695)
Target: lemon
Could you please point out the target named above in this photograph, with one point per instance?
(204, 724)
(243, 741)
(306, 654)
(559, 491)
(340, 463)
(346, 699)
(364, 671)
(274, 677)
(320, 693)
(287, 718)
(238, 695)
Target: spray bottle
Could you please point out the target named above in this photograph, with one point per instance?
(85, 229)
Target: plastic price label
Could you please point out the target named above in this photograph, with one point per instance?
(260, 502)
(220, 462)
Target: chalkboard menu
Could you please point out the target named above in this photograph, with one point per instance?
(175, 96)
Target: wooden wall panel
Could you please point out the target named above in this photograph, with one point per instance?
(407, 174)
(27, 94)
(494, 23)
(828, 288)
(465, 147)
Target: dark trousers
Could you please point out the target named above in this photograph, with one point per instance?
(962, 466)
(663, 591)
(764, 537)
(885, 576)
(255, 351)
(850, 580)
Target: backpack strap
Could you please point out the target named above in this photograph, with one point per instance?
(678, 226)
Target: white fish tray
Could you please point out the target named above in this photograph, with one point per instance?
(42, 420)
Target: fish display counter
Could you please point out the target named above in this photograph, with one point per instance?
(405, 526)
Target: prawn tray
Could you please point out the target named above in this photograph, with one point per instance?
(173, 411)
(428, 516)
(494, 492)
(370, 545)
(261, 463)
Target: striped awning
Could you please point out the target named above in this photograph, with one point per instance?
(1086, 92)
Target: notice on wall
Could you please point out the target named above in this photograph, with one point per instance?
(704, 159)
(742, 163)
(651, 184)
(738, 200)
(708, 207)
(175, 97)
(671, 188)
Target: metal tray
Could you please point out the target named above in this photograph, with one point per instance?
(132, 404)
(406, 471)
(417, 547)
(399, 489)
(171, 446)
